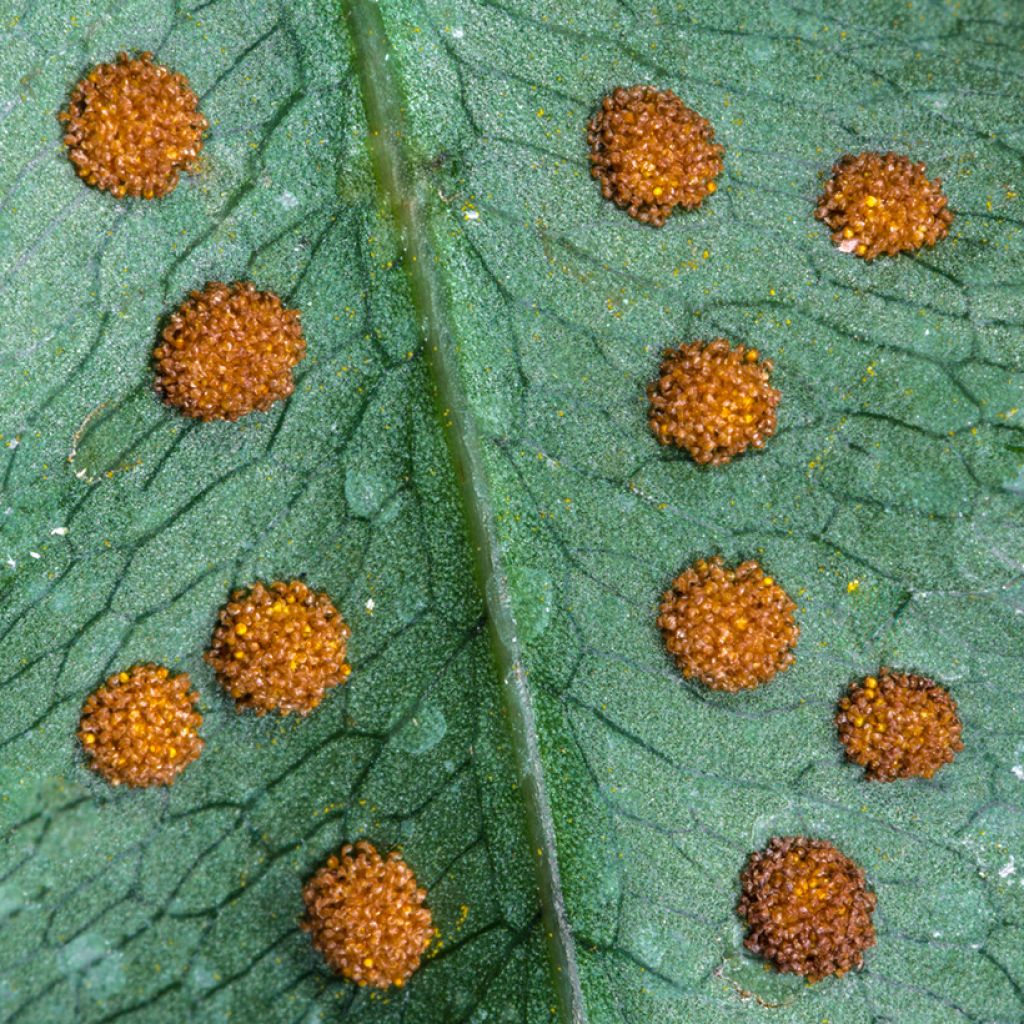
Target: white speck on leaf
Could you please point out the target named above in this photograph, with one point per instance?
(59, 531)
(1009, 868)
(35, 554)
(288, 201)
(471, 215)
(1018, 770)
(458, 33)
(370, 605)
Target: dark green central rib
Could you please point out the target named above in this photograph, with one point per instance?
(406, 196)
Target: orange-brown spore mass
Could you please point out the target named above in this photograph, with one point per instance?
(132, 126)
(228, 351)
(714, 400)
(899, 726)
(652, 153)
(279, 648)
(733, 629)
(366, 916)
(807, 907)
(879, 203)
(141, 727)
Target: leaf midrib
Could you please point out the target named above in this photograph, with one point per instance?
(404, 193)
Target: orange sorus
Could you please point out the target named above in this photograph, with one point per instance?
(714, 400)
(899, 726)
(140, 728)
(132, 126)
(807, 907)
(228, 351)
(365, 914)
(733, 629)
(652, 153)
(879, 203)
(279, 648)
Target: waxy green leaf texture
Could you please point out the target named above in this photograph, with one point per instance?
(465, 467)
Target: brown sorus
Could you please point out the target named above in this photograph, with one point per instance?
(652, 153)
(899, 726)
(714, 400)
(879, 203)
(141, 727)
(132, 126)
(733, 629)
(807, 908)
(228, 351)
(366, 916)
(278, 648)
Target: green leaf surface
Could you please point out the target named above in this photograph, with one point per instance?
(465, 466)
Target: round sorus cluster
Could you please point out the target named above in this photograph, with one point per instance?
(807, 907)
(366, 916)
(141, 727)
(899, 726)
(278, 648)
(131, 127)
(652, 153)
(714, 400)
(879, 203)
(733, 629)
(228, 351)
